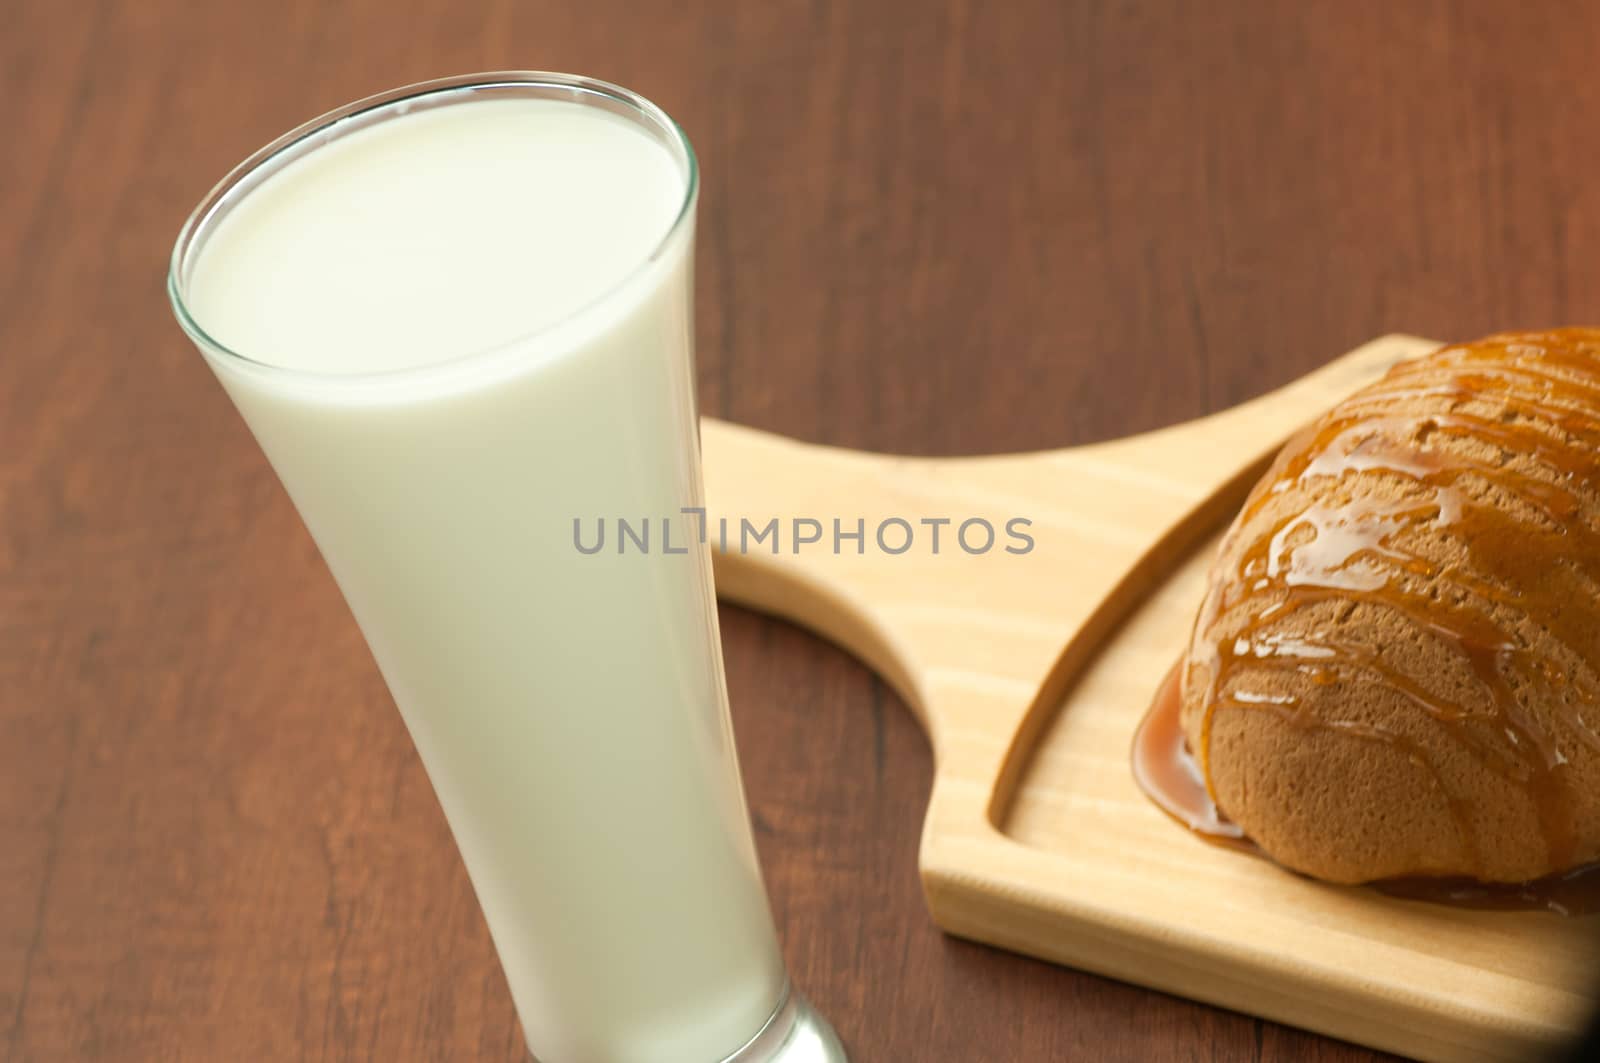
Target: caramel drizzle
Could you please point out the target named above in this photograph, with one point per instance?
(1545, 391)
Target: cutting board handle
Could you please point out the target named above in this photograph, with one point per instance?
(754, 477)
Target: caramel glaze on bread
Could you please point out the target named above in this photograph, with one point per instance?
(1396, 669)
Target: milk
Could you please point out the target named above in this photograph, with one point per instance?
(466, 345)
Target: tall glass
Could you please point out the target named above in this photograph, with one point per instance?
(568, 701)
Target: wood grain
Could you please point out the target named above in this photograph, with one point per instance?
(927, 228)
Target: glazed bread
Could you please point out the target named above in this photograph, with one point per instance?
(1396, 668)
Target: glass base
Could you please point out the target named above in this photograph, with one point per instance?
(794, 1034)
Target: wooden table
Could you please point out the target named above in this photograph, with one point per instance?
(930, 228)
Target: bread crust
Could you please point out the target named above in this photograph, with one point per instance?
(1396, 669)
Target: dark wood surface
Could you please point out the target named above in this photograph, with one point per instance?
(936, 228)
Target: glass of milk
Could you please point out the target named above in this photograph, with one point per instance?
(457, 318)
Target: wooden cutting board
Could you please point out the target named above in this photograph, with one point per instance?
(1030, 672)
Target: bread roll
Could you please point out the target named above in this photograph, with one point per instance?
(1396, 668)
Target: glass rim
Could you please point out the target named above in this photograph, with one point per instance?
(333, 125)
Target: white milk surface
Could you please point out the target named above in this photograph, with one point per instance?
(569, 708)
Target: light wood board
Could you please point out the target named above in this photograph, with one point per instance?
(1031, 671)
